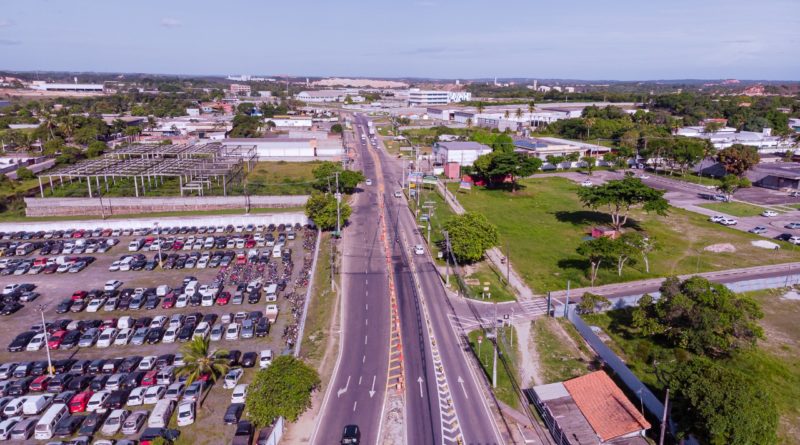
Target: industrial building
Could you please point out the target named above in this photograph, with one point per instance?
(290, 121)
(239, 89)
(296, 148)
(417, 96)
(589, 410)
(764, 141)
(463, 153)
(73, 87)
(322, 96)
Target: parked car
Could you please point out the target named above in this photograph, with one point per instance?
(769, 213)
(233, 413)
(758, 230)
(134, 422)
(114, 422)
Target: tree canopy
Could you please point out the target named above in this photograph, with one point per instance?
(24, 173)
(722, 406)
(619, 196)
(283, 389)
(738, 159)
(321, 208)
(501, 166)
(702, 317)
(325, 177)
(471, 234)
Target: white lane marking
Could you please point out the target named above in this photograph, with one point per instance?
(366, 321)
(364, 359)
(354, 405)
(372, 391)
(343, 390)
(461, 382)
(365, 339)
(359, 380)
(419, 380)
(366, 306)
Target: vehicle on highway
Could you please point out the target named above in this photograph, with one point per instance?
(351, 435)
(792, 225)
(758, 230)
(769, 213)
(419, 250)
(728, 221)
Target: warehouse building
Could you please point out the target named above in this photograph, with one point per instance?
(296, 148)
(72, 87)
(463, 153)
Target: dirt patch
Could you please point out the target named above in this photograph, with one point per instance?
(720, 248)
(791, 295)
(529, 365)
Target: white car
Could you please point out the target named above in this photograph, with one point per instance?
(419, 250)
(112, 285)
(10, 288)
(716, 218)
(114, 267)
(170, 335)
(123, 337)
(107, 337)
(216, 332)
(728, 221)
(643, 176)
(114, 422)
(174, 391)
(232, 378)
(185, 413)
(147, 363)
(96, 402)
(232, 333)
(182, 300)
(136, 396)
(158, 321)
(36, 343)
(587, 183)
(201, 330)
(95, 305)
(769, 213)
(369, 182)
(153, 394)
(239, 394)
(265, 359)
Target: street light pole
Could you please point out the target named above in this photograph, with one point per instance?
(41, 309)
(494, 362)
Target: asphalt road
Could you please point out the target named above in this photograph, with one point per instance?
(356, 394)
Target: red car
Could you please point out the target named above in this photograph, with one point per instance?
(149, 379)
(79, 295)
(169, 301)
(109, 323)
(39, 383)
(78, 233)
(79, 401)
(250, 243)
(204, 377)
(223, 298)
(56, 338)
(177, 245)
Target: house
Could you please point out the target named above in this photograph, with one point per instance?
(589, 410)
(463, 153)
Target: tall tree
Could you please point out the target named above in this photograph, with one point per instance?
(200, 360)
(471, 234)
(590, 161)
(511, 165)
(738, 159)
(598, 251)
(321, 208)
(730, 183)
(283, 389)
(619, 196)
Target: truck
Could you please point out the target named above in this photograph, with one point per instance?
(36, 404)
(271, 312)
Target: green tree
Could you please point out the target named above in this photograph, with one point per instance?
(53, 146)
(598, 251)
(730, 183)
(336, 128)
(512, 166)
(738, 159)
(24, 173)
(283, 389)
(722, 406)
(200, 360)
(245, 108)
(590, 161)
(471, 234)
(325, 177)
(321, 208)
(706, 318)
(591, 302)
(619, 196)
(96, 148)
(643, 317)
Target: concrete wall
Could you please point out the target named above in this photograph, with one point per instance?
(127, 206)
(215, 220)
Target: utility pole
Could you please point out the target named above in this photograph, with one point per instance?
(508, 265)
(664, 419)
(338, 207)
(41, 309)
(429, 231)
(494, 362)
(447, 258)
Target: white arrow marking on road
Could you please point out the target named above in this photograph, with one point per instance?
(372, 391)
(419, 380)
(343, 390)
(461, 382)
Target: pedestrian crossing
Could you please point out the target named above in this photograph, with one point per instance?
(524, 311)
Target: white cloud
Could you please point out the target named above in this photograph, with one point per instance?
(170, 22)
(5, 23)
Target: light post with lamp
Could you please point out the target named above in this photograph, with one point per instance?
(155, 224)
(41, 309)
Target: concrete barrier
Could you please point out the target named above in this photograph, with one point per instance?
(127, 206)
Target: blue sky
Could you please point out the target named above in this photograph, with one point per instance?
(579, 39)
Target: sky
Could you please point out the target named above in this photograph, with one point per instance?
(464, 39)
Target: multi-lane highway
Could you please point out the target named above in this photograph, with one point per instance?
(358, 386)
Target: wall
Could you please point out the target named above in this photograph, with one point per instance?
(126, 206)
(210, 220)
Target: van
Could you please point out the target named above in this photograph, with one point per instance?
(47, 424)
(272, 293)
(36, 404)
(125, 322)
(135, 245)
(24, 249)
(165, 375)
(159, 418)
(276, 251)
(163, 290)
(191, 287)
(14, 407)
(125, 264)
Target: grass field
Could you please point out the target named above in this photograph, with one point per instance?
(691, 177)
(281, 178)
(498, 290)
(776, 361)
(740, 209)
(320, 308)
(505, 390)
(558, 359)
(544, 223)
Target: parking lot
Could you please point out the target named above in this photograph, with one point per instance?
(165, 287)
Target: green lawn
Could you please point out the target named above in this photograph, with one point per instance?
(544, 223)
(776, 360)
(498, 290)
(558, 359)
(320, 308)
(691, 177)
(740, 209)
(281, 178)
(505, 390)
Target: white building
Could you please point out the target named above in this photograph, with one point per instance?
(238, 89)
(77, 87)
(321, 96)
(436, 97)
(464, 153)
(727, 136)
(546, 116)
(290, 121)
(287, 147)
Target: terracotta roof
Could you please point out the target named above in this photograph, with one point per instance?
(604, 405)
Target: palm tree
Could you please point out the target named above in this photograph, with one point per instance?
(469, 122)
(518, 113)
(506, 114)
(479, 107)
(199, 360)
(531, 105)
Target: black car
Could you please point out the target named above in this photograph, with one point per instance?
(63, 365)
(96, 366)
(133, 380)
(184, 335)
(150, 434)
(10, 308)
(233, 357)
(64, 397)
(243, 434)
(124, 302)
(142, 322)
(154, 336)
(99, 382)
(21, 341)
(784, 236)
(152, 302)
(59, 382)
(130, 363)
(116, 400)
(93, 422)
(233, 413)
(351, 435)
(249, 359)
(80, 383)
(262, 327)
(210, 319)
(39, 368)
(195, 300)
(68, 425)
(254, 297)
(164, 360)
(70, 340)
(19, 387)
